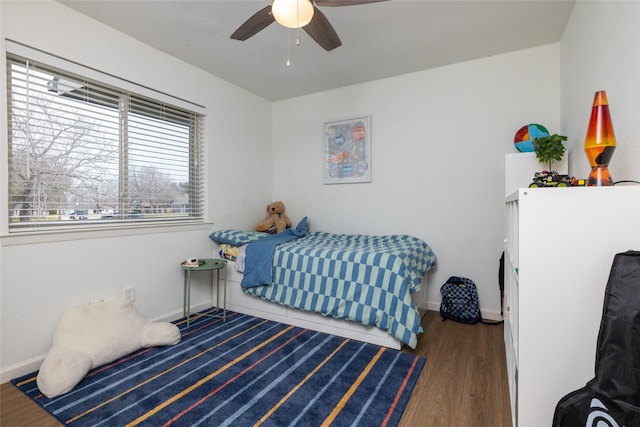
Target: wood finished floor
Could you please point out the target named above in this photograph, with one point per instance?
(464, 382)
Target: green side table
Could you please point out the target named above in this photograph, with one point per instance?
(205, 265)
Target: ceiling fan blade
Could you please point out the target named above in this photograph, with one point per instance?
(322, 32)
(332, 3)
(258, 22)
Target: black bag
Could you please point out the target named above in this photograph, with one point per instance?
(460, 300)
(612, 398)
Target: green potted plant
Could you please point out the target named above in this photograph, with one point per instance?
(549, 148)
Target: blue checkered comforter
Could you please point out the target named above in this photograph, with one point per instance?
(366, 279)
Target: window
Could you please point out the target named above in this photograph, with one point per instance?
(83, 153)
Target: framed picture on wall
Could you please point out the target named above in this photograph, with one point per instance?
(347, 150)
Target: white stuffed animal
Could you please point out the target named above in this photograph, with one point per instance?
(92, 335)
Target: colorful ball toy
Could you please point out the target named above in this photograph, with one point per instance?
(525, 136)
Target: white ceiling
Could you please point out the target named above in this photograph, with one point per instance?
(379, 40)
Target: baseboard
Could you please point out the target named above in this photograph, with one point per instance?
(21, 368)
(26, 367)
(486, 314)
(433, 306)
(491, 315)
(175, 315)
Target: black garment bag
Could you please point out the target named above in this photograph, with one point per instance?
(612, 398)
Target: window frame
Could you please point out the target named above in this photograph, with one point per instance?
(196, 150)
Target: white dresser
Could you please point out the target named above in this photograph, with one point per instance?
(560, 244)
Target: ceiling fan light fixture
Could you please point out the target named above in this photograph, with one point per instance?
(292, 13)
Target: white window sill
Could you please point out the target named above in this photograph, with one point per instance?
(47, 236)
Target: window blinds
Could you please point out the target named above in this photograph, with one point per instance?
(84, 152)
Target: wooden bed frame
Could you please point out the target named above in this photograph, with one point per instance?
(241, 302)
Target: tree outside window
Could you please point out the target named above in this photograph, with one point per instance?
(79, 150)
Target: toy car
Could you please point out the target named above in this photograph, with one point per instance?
(551, 179)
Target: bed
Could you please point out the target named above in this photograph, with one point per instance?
(318, 277)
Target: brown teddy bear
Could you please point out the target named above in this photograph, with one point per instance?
(277, 221)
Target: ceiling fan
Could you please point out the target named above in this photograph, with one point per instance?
(298, 14)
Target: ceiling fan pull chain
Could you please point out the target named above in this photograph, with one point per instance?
(288, 50)
(298, 23)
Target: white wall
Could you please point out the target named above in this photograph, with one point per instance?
(41, 276)
(600, 50)
(439, 138)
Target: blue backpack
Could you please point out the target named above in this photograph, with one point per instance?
(460, 301)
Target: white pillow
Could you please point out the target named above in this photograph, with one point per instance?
(92, 335)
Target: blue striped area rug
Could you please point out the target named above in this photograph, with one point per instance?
(242, 372)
